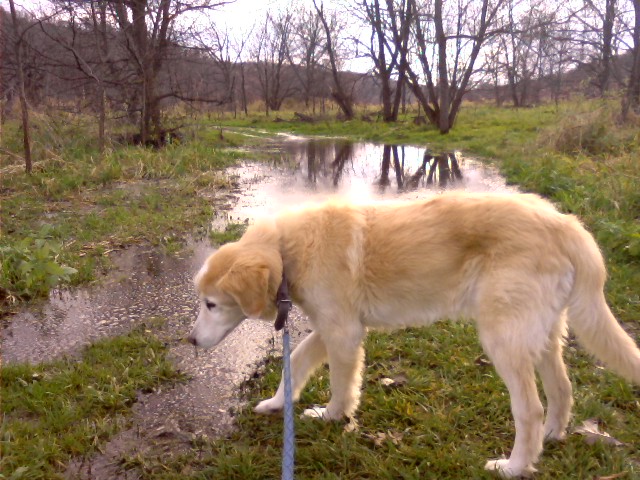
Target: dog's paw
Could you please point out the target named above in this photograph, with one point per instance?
(315, 412)
(502, 468)
(324, 413)
(269, 407)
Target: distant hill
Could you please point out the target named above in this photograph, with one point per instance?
(582, 79)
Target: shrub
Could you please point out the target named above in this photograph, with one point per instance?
(595, 133)
(30, 267)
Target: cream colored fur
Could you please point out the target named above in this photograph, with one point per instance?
(511, 263)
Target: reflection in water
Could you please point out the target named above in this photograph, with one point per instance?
(325, 159)
(448, 168)
(311, 170)
(329, 162)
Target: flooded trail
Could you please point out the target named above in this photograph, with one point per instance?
(144, 284)
(148, 285)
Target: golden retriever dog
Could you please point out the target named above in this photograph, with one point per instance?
(518, 268)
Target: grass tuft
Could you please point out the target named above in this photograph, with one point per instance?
(452, 412)
(231, 233)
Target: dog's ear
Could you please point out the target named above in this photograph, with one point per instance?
(249, 282)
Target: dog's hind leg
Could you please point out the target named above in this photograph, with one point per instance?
(306, 357)
(557, 387)
(511, 357)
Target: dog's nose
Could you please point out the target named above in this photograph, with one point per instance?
(192, 340)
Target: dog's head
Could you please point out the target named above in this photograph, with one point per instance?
(238, 281)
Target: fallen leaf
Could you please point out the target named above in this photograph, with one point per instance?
(482, 361)
(380, 438)
(397, 381)
(395, 437)
(592, 433)
(612, 477)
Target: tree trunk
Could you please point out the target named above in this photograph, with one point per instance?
(342, 99)
(429, 99)
(102, 118)
(401, 21)
(632, 97)
(26, 134)
(245, 107)
(385, 167)
(607, 48)
(443, 74)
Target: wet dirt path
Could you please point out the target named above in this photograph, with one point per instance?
(147, 285)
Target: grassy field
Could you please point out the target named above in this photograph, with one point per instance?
(446, 413)
(63, 410)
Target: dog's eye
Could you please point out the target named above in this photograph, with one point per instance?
(209, 305)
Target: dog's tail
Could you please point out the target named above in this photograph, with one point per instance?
(589, 316)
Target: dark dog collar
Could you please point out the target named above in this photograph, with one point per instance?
(283, 302)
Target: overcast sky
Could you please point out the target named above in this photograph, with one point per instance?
(240, 14)
(239, 17)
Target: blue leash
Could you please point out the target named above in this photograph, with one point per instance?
(289, 448)
(283, 303)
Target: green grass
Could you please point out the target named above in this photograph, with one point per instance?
(54, 412)
(453, 412)
(444, 422)
(93, 204)
(231, 233)
(481, 129)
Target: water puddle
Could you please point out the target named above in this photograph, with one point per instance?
(144, 284)
(312, 170)
(147, 284)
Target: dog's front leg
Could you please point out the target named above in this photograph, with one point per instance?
(306, 357)
(346, 361)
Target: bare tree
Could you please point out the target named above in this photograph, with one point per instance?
(149, 29)
(18, 46)
(388, 48)
(452, 39)
(597, 31)
(81, 41)
(307, 53)
(401, 16)
(631, 100)
(492, 71)
(271, 56)
(222, 69)
(523, 49)
(339, 93)
(556, 59)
